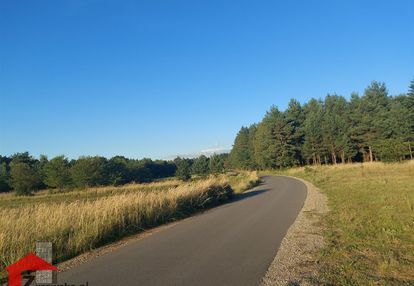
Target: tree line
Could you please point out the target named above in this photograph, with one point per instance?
(371, 127)
(25, 174)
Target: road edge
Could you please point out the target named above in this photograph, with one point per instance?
(295, 262)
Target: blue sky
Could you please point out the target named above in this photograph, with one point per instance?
(159, 78)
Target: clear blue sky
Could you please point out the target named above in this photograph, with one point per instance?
(159, 78)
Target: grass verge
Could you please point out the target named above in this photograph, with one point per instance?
(370, 229)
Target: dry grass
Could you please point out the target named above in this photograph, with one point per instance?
(370, 229)
(243, 180)
(11, 200)
(77, 226)
(81, 220)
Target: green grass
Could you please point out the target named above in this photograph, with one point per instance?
(370, 228)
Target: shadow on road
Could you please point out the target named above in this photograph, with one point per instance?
(246, 195)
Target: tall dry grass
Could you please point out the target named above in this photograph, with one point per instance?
(80, 225)
(92, 193)
(243, 180)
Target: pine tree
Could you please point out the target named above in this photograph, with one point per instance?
(183, 169)
(241, 155)
(335, 127)
(217, 163)
(410, 107)
(274, 141)
(370, 115)
(295, 116)
(313, 148)
(400, 123)
(200, 166)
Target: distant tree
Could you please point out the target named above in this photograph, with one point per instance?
(401, 125)
(411, 88)
(40, 169)
(24, 174)
(89, 171)
(409, 104)
(24, 178)
(390, 150)
(183, 171)
(23, 158)
(56, 172)
(200, 166)
(4, 178)
(241, 155)
(217, 163)
(117, 170)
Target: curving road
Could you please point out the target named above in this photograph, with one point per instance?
(229, 245)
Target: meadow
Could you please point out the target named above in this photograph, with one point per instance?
(369, 231)
(79, 220)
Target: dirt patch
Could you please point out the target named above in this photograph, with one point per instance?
(295, 262)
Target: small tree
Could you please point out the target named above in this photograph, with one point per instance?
(200, 166)
(24, 178)
(217, 164)
(183, 169)
(88, 171)
(56, 172)
(4, 178)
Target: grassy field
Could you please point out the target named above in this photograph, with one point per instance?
(370, 228)
(80, 220)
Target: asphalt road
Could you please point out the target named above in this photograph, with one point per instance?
(232, 244)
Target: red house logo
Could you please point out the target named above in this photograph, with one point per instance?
(29, 262)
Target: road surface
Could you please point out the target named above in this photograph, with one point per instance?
(232, 244)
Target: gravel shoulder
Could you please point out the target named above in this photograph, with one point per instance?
(295, 262)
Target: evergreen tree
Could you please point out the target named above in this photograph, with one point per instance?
(335, 127)
(217, 163)
(295, 116)
(4, 178)
(370, 116)
(409, 104)
(411, 88)
(183, 171)
(313, 147)
(241, 156)
(274, 141)
(200, 166)
(401, 129)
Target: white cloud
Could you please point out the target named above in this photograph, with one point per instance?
(206, 152)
